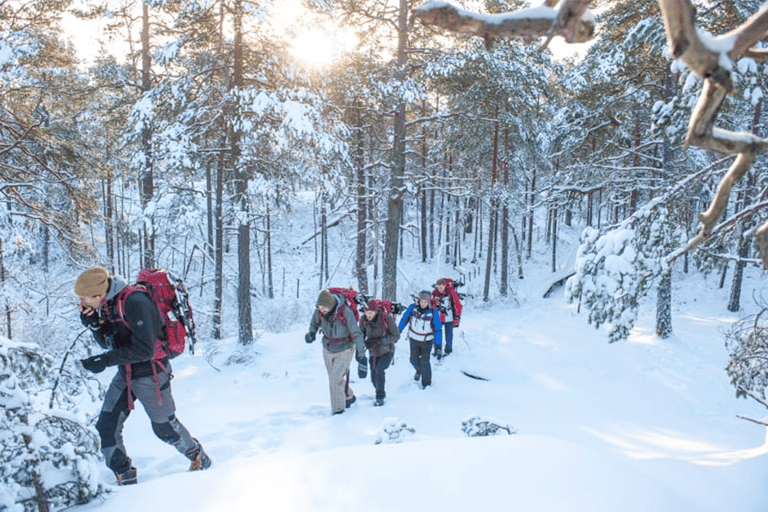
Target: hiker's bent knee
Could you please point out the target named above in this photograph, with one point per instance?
(165, 432)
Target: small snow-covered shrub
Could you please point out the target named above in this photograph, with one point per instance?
(478, 426)
(394, 431)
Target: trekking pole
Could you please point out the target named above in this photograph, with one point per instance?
(465, 340)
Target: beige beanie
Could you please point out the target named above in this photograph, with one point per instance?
(327, 300)
(93, 281)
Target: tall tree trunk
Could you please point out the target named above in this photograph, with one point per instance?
(3, 285)
(423, 194)
(218, 242)
(147, 172)
(505, 218)
(554, 238)
(531, 204)
(358, 159)
(493, 211)
(245, 322)
(396, 189)
(268, 240)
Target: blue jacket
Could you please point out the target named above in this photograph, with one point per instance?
(423, 324)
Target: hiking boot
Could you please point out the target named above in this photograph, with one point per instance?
(416, 376)
(379, 402)
(350, 401)
(200, 459)
(127, 477)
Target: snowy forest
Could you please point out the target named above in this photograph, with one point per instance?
(181, 135)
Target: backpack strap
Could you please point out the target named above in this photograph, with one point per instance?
(122, 298)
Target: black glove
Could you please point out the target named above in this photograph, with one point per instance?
(438, 352)
(95, 364)
(362, 369)
(91, 320)
(361, 359)
(309, 337)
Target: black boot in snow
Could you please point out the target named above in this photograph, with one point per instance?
(127, 477)
(200, 459)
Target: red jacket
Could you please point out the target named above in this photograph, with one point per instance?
(453, 297)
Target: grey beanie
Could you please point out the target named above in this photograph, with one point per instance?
(326, 300)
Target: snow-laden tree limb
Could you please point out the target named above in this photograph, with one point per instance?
(572, 21)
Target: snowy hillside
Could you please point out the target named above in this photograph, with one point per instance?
(636, 426)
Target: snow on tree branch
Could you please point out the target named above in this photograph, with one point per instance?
(572, 21)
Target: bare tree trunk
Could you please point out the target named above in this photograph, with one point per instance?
(245, 322)
(268, 240)
(395, 201)
(554, 238)
(218, 242)
(147, 177)
(531, 204)
(362, 204)
(505, 219)
(4, 283)
(494, 211)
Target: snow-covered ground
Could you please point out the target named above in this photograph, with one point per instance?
(643, 425)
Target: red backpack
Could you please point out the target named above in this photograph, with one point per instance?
(392, 308)
(351, 299)
(172, 300)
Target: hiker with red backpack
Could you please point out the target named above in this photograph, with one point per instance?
(446, 300)
(342, 339)
(380, 333)
(128, 326)
(424, 331)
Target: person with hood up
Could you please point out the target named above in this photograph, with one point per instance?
(380, 332)
(342, 339)
(424, 330)
(130, 345)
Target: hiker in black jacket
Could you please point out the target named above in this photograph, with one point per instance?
(139, 375)
(380, 333)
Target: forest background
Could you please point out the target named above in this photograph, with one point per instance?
(194, 128)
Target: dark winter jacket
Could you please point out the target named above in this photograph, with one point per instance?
(135, 344)
(338, 334)
(423, 324)
(380, 334)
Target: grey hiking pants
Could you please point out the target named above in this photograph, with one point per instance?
(337, 365)
(115, 411)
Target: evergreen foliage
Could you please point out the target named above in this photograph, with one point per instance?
(48, 457)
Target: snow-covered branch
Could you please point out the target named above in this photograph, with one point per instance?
(572, 21)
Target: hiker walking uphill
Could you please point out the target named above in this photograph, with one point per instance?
(130, 329)
(446, 300)
(380, 332)
(341, 340)
(424, 330)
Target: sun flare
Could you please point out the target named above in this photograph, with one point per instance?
(316, 47)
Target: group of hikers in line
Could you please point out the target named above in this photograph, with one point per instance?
(377, 331)
(128, 326)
